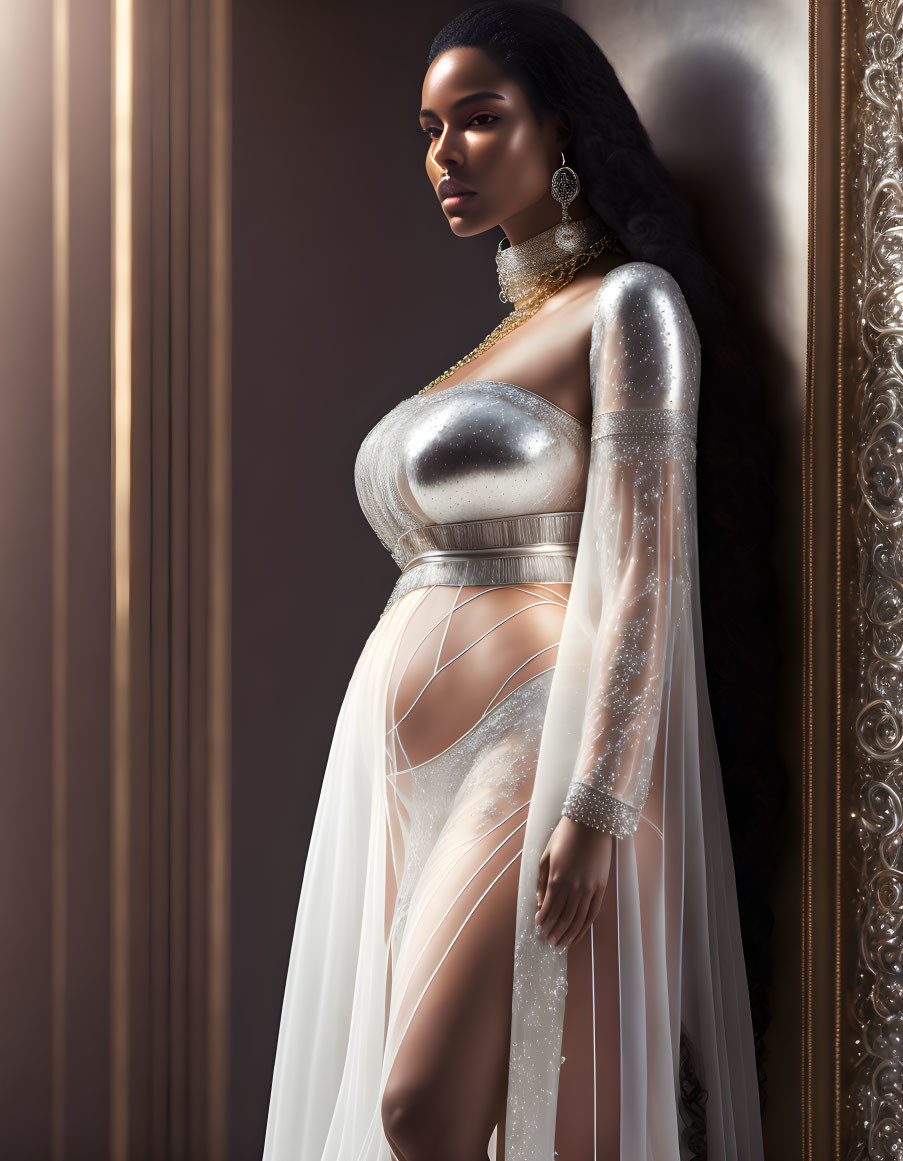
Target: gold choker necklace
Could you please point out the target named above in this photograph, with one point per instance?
(530, 272)
(522, 266)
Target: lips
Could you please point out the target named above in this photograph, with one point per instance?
(449, 187)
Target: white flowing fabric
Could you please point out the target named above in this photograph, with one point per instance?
(329, 1057)
(627, 722)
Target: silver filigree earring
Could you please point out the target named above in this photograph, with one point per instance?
(565, 187)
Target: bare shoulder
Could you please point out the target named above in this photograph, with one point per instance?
(591, 276)
(588, 283)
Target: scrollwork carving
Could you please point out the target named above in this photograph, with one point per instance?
(876, 1002)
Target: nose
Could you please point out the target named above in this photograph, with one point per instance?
(447, 150)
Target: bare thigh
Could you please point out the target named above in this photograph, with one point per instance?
(447, 1086)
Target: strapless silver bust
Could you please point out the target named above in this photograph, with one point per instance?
(486, 470)
(488, 449)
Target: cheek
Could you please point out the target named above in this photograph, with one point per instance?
(511, 171)
(515, 164)
(531, 156)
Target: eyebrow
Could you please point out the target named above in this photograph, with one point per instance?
(464, 101)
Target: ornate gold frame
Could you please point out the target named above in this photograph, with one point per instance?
(852, 888)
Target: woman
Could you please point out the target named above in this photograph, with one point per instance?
(518, 929)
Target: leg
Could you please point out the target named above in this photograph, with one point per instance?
(587, 1126)
(448, 1083)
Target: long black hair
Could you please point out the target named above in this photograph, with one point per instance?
(560, 67)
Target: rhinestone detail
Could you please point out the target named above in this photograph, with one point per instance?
(600, 810)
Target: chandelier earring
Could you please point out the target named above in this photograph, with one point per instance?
(565, 187)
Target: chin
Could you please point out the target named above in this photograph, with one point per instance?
(463, 227)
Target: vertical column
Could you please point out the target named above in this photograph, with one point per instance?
(114, 612)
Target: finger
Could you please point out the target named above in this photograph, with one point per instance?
(577, 924)
(552, 903)
(542, 893)
(542, 880)
(565, 917)
(592, 914)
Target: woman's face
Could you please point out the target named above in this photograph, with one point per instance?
(483, 132)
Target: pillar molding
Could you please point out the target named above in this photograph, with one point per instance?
(170, 591)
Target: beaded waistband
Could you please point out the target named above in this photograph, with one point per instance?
(538, 547)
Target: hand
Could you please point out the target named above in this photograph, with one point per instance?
(573, 875)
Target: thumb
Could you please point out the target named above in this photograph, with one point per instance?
(543, 879)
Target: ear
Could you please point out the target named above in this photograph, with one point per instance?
(563, 131)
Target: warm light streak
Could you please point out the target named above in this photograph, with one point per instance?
(121, 301)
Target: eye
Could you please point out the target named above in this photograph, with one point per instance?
(428, 130)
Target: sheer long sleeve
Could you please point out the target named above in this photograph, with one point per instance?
(632, 579)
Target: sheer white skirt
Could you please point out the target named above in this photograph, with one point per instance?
(424, 856)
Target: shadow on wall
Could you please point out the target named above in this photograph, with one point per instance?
(714, 114)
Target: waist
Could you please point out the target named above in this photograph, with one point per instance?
(538, 547)
(503, 537)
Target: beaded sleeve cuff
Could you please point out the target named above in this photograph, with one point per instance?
(600, 810)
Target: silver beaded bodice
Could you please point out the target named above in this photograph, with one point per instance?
(485, 468)
(485, 482)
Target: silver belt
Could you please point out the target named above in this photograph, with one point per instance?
(530, 534)
(537, 548)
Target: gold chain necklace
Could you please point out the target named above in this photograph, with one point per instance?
(547, 284)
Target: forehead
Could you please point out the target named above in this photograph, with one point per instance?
(458, 71)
